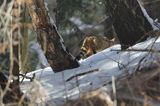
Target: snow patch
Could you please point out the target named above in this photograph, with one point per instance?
(95, 72)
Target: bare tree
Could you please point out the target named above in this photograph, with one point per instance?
(129, 22)
(57, 55)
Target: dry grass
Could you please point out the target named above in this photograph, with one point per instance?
(142, 89)
(9, 34)
(94, 98)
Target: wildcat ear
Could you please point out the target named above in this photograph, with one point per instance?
(83, 49)
(95, 41)
(113, 40)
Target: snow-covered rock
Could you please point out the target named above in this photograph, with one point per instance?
(94, 72)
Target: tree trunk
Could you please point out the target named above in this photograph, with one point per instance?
(129, 22)
(57, 55)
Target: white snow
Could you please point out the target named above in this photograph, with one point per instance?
(81, 25)
(57, 87)
(37, 48)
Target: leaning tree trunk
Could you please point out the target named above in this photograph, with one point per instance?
(57, 55)
(129, 21)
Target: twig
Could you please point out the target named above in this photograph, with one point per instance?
(139, 63)
(27, 77)
(80, 74)
(137, 50)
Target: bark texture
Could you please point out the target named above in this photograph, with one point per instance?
(57, 55)
(129, 22)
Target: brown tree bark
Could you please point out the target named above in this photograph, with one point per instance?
(57, 55)
(129, 22)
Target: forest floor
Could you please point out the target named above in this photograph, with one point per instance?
(129, 78)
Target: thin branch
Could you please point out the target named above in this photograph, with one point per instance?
(81, 74)
(137, 50)
(27, 77)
